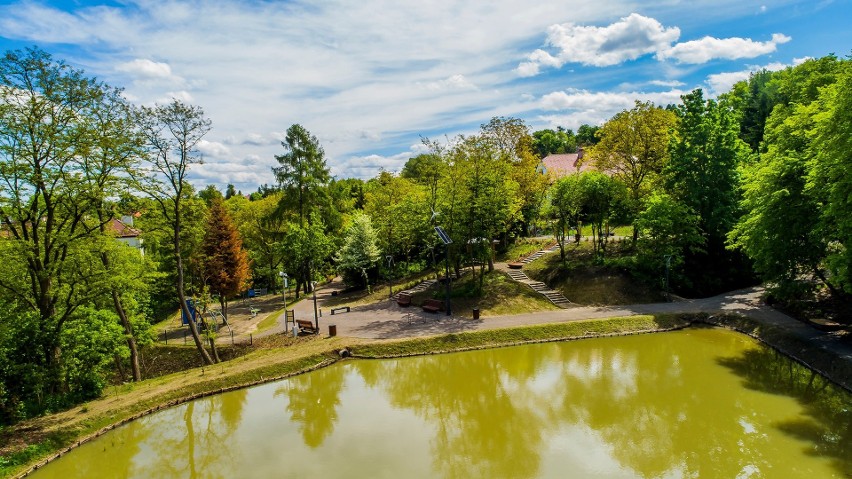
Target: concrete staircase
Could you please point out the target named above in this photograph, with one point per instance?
(417, 288)
(554, 297)
(539, 254)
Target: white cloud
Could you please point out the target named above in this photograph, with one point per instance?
(722, 82)
(627, 39)
(573, 108)
(667, 83)
(363, 82)
(213, 148)
(607, 102)
(146, 69)
(709, 48)
(454, 82)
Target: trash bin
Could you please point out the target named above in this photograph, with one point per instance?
(332, 330)
(475, 313)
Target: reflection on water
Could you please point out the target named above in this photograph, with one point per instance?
(696, 403)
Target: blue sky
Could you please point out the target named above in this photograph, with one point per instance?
(369, 78)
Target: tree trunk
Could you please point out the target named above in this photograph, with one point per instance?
(193, 330)
(131, 339)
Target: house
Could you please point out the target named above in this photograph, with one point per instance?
(561, 164)
(126, 233)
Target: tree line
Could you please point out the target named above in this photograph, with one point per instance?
(752, 185)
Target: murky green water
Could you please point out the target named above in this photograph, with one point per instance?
(697, 403)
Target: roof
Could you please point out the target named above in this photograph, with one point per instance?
(122, 230)
(562, 164)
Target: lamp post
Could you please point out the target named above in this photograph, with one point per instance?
(668, 258)
(284, 285)
(316, 316)
(447, 241)
(390, 275)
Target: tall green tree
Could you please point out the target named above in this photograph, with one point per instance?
(360, 254)
(303, 173)
(548, 141)
(829, 179)
(48, 128)
(303, 178)
(172, 133)
(566, 208)
(110, 166)
(702, 173)
(633, 146)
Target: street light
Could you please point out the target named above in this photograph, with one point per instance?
(390, 274)
(316, 316)
(445, 238)
(285, 284)
(668, 258)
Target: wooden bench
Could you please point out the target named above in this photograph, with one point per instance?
(305, 325)
(403, 299)
(433, 305)
(340, 310)
(517, 265)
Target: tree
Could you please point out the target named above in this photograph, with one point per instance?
(302, 177)
(48, 128)
(262, 231)
(829, 179)
(633, 146)
(602, 197)
(587, 135)
(110, 166)
(702, 173)
(547, 142)
(667, 228)
(303, 172)
(360, 253)
(230, 191)
(303, 249)
(566, 200)
(172, 132)
(225, 262)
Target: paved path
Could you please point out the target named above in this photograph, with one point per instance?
(387, 320)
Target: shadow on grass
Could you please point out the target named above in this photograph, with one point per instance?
(828, 425)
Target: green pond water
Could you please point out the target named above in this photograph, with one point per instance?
(696, 403)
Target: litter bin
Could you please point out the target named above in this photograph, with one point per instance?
(332, 330)
(475, 313)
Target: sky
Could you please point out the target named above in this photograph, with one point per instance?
(371, 78)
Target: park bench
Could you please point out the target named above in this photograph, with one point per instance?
(516, 265)
(403, 299)
(305, 325)
(433, 305)
(340, 310)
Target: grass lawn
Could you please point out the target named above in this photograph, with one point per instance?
(378, 292)
(500, 296)
(524, 247)
(585, 282)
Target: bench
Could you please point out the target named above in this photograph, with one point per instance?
(254, 311)
(403, 299)
(433, 305)
(305, 325)
(340, 309)
(516, 265)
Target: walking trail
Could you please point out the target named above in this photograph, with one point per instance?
(387, 320)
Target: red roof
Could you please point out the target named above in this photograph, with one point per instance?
(562, 164)
(121, 230)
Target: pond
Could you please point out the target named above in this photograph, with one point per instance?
(692, 403)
